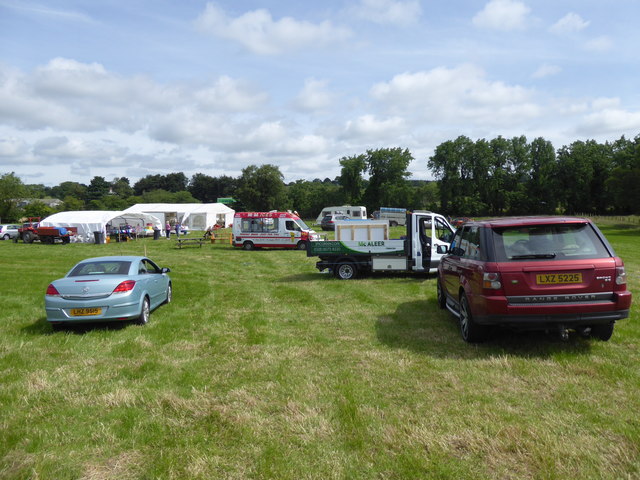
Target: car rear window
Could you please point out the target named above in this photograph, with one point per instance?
(544, 242)
(110, 267)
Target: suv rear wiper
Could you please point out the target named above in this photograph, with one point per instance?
(534, 255)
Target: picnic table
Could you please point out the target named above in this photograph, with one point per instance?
(183, 242)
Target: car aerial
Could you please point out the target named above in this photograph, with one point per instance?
(108, 289)
(536, 273)
(328, 221)
(8, 231)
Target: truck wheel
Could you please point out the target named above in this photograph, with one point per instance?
(302, 245)
(602, 332)
(471, 332)
(27, 237)
(346, 271)
(393, 223)
(247, 246)
(442, 298)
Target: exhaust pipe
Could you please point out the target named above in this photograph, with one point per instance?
(564, 333)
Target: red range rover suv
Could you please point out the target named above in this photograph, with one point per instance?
(537, 273)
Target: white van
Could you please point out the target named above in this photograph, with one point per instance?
(272, 230)
(359, 213)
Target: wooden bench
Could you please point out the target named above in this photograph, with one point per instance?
(190, 241)
(221, 237)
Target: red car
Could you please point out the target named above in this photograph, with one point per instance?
(539, 273)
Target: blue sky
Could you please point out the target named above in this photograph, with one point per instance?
(128, 89)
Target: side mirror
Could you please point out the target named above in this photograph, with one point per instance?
(442, 249)
(166, 269)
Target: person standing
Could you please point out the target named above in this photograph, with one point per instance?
(177, 229)
(167, 229)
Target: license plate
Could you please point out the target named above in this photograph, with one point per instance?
(83, 312)
(558, 278)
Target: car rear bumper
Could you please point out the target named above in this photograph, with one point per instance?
(542, 321)
(123, 311)
(499, 311)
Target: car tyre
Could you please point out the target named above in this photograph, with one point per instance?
(346, 271)
(143, 319)
(302, 245)
(247, 246)
(393, 223)
(471, 332)
(442, 298)
(602, 332)
(169, 295)
(6, 236)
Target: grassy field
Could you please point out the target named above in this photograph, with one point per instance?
(264, 368)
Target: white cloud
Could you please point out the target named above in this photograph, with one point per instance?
(391, 12)
(570, 23)
(314, 96)
(502, 15)
(230, 95)
(546, 70)
(608, 118)
(370, 128)
(600, 44)
(261, 34)
(456, 95)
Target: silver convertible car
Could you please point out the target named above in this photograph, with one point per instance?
(108, 289)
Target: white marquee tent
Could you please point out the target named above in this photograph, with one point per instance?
(196, 216)
(89, 221)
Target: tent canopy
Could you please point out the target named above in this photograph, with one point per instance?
(89, 221)
(196, 216)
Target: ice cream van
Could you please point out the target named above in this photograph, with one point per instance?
(271, 230)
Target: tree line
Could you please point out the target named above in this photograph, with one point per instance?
(472, 178)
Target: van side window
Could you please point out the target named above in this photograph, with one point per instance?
(259, 225)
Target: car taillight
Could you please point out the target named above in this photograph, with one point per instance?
(52, 291)
(621, 276)
(491, 281)
(125, 286)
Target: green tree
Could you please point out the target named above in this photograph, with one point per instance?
(12, 190)
(542, 188)
(98, 187)
(262, 188)
(70, 189)
(387, 168)
(208, 189)
(351, 180)
(71, 203)
(622, 184)
(37, 208)
(452, 170)
(583, 168)
(163, 196)
(121, 187)
(309, 198)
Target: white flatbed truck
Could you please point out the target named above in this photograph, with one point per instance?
(364, 246)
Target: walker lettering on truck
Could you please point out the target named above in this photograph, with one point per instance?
(271, 230)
